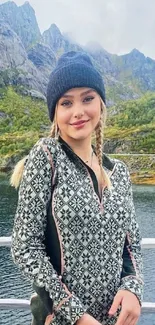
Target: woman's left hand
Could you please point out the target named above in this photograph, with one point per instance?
(130, 308)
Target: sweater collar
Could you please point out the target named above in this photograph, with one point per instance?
(106, 161)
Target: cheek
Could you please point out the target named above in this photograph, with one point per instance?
(63, 117)
(94, 110)
(94, 113)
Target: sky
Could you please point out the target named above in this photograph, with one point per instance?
(118, 25)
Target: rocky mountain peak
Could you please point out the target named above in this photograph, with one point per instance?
(22, 21)
(53, 37)
(136, 52)
(55, 30)
(27, 4)
(134, 56)
(26, 7)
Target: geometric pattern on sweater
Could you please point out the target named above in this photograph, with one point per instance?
(93, 233)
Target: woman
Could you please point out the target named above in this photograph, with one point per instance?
(75, 233)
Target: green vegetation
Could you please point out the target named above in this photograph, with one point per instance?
(10, 76)
(133, 122)
(23, 121)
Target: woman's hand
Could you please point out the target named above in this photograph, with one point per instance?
(130, 308)
(86, 319)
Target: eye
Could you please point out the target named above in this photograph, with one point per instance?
(88, 99)
(66, 103)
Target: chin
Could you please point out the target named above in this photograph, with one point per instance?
(80, 136)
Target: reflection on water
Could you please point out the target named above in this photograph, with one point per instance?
(13, 285)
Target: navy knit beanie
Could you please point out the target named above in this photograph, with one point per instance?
(73, 70)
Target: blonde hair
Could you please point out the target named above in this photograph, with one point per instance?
(99, 144)
(18, 170)
(17, 173)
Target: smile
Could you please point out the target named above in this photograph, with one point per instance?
(79, 123)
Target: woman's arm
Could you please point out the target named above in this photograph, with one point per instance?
(28, 248)
(130, 293)
(132, 272)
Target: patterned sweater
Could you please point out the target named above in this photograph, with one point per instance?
(89, 247)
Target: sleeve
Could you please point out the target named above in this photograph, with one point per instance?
(132, 271)
(28, 250)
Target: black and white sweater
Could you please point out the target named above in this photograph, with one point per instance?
(77, 246)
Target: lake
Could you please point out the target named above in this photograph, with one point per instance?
(13, 285)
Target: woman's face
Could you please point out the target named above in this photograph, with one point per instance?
(78, 113)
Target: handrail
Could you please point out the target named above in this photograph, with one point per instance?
(5, 241)
(146, 242)
(147, 307)
(14, 303)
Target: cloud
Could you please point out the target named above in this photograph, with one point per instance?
(118, 25)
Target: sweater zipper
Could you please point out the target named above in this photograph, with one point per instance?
(100, 200)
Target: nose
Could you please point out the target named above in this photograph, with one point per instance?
(78, 113)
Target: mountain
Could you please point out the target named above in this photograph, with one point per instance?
(57, 42)
(43, 58)
(22, 21)
(15, 67)
(135, 68)
(28, 57)
(134, 72)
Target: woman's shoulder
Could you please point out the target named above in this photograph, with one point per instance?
(113, 163)
(46, 141)
(41, 154)
(118, 168)
(44, 149)
(46, 144)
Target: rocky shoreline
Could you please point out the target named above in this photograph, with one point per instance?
(141, 167)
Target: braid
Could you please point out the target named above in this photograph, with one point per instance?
(99, 141)
(54, 129)
(17, 173)
(99, 144)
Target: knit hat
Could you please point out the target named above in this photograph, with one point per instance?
(73, 70)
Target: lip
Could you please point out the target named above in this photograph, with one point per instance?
(81, 122)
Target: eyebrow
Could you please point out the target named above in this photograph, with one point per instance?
(84, 93)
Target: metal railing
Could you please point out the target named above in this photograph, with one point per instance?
(147, 307)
